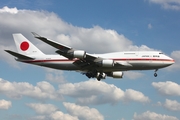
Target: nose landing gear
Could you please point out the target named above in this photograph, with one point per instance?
(155, 74)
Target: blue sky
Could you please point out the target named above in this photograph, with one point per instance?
(31, 92)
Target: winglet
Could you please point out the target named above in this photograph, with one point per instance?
(36, 35)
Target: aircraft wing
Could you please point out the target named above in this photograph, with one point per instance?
(85, 60)
(52, 43)
(64, 50)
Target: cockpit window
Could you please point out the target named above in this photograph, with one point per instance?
(160, 53)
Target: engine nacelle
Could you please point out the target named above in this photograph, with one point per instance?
(107, 63)
(79, 54)
(117, 74)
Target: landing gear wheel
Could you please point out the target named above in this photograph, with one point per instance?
(155, 74)
(99, 77)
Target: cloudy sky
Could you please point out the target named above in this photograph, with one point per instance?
(32, 92)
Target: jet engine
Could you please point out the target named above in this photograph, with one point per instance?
(75, 54)
(117, 74)
(106, 63)
(79, 54)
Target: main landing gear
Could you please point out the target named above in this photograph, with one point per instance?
(100, 76)
(155, 74)
(96, 74)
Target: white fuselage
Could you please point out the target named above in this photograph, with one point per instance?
(92, 65)
(139, 60)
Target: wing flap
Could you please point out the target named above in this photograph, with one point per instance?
(19, 56)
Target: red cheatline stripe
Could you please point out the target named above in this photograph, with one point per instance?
(144, 59)
(56, 60)
(122, 59)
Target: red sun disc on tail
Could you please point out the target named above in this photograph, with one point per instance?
(24, 46)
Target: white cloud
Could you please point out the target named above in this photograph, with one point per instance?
(43, 90)
(51, 26)
(83, 112)
(88, 92)
(172, 105)
(168, 4)
(99, 92)
(132, 95)
(150, 26)
(42, 108)
(9, 10)
(4, 104)
(49, 111)
(167, 88)
(153, 116)
(92, 92)
(58, 115)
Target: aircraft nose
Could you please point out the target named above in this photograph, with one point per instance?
(171, 61)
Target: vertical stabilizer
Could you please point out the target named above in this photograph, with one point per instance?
(24, 46)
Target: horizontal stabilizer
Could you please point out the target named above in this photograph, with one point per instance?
(19, 56)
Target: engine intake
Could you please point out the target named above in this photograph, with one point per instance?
(79, 54)
(76, 54)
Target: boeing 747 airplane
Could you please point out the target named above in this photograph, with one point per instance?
(92, 65)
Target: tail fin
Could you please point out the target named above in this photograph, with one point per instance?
(24, 46)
